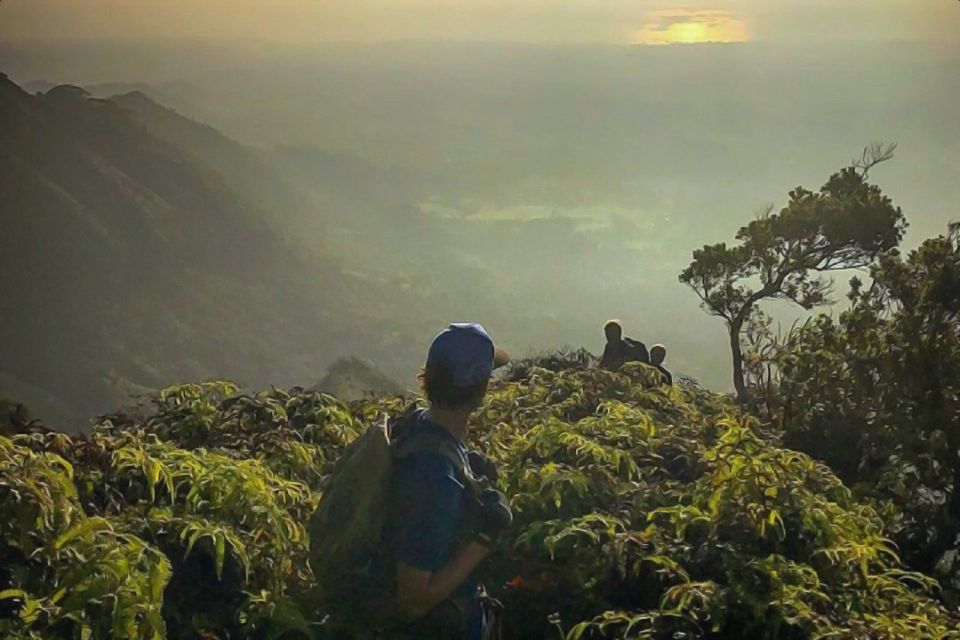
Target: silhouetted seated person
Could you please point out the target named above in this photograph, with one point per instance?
(658, 353)
(620, 349)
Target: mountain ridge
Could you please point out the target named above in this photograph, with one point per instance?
(243, 168)
(130, 263)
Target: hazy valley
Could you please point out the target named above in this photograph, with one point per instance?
(371, 193)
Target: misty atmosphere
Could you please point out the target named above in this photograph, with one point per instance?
(390, 187)
(300, 196)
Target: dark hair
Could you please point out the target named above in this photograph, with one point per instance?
(437, 384)
(658, 351)
(612, 326)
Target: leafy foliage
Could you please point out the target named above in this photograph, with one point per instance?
(642, 511)
(874, 393)
(68, 572)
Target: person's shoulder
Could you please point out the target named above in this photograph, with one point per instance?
(428, 461)
(428, 466)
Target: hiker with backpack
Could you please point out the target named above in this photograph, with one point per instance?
(620, 349)
(409, 513)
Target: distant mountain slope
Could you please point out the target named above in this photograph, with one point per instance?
(241, 167)
(128, 263)
(352, 378)
(345, 204)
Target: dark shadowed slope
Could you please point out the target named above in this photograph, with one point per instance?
(128, 264)
(241, 167)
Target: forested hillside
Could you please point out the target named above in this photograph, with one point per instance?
(642, 511)
(130, 261)
(140, 255)
(229, 230)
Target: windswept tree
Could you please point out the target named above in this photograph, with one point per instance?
(787, 255)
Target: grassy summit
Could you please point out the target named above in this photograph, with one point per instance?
(641, 512)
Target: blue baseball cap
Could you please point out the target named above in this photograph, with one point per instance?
(466, 350)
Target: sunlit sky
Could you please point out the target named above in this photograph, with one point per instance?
(649, 22)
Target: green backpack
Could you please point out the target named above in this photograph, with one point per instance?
(347, 551)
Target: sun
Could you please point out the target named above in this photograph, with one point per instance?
(688, 32)
(690, 26)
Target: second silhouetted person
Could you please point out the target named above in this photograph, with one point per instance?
(620, 349)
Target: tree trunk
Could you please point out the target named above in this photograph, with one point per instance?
(737, 353)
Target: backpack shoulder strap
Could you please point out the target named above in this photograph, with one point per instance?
(393, 425)
(408, 444)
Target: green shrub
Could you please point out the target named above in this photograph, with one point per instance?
(641, 512)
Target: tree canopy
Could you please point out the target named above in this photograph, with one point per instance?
(785, 255)
(875, 393)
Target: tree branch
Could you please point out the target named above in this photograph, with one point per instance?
(873, 154)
